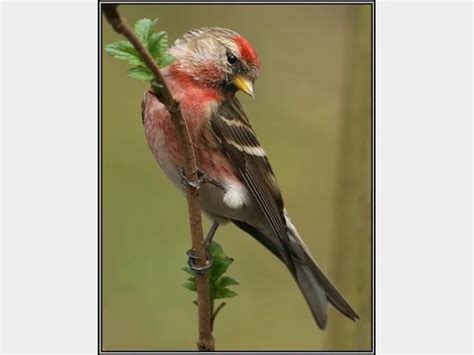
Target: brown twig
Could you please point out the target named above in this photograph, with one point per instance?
(214, 314)
(206, 340)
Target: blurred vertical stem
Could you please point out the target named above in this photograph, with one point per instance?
(206, 340)
(351, 249)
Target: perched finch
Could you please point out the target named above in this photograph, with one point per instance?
(211, 65)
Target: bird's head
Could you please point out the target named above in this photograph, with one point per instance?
(217, 58)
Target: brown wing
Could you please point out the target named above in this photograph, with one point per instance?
(239, 142)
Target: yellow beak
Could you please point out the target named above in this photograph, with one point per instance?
(243, 83)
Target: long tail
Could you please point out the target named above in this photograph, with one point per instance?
(317, 290)
(315, 286)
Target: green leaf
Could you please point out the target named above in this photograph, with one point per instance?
(218, 283)
(155, 42)
(224, 293)
(216, 250)
(191, 286)
(165, 60)
(225, 281)
(140, 73)
(144, 29)
(220, 267)
(158, 43)
(123, 50)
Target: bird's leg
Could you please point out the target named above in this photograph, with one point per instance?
(210, 234)
(202, 178)
(192, 257)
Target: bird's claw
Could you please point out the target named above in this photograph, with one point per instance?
(194, 184)
(192, 257)
(202, 179)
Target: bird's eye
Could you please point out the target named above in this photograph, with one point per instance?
(232, 59)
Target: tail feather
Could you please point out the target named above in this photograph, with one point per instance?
(333, 295)
(315, 286)
(313, 294)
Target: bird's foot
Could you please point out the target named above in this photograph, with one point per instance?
(202, 179)
(194, 184)
(192, 257)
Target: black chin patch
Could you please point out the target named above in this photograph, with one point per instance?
(227, 86)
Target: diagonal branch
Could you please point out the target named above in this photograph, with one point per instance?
(206, 340)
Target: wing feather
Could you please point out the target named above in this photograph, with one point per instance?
(239, 142)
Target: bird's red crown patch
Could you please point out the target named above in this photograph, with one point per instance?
(246, 51)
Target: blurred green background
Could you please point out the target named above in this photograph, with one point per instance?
(312, 114)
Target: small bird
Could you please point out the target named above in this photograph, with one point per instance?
(238, 183)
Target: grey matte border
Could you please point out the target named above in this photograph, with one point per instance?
(99, 256)
(238, 352)
(236, 2)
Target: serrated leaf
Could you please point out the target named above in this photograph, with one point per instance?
(165, 60)
(162, 45)
(123, 50)
(144, 28)
(140, 73)
(225, 281)
(220, 267)
(216, 250)
(224, 293)
(218, 283)
(156, 42)
(191, 286)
